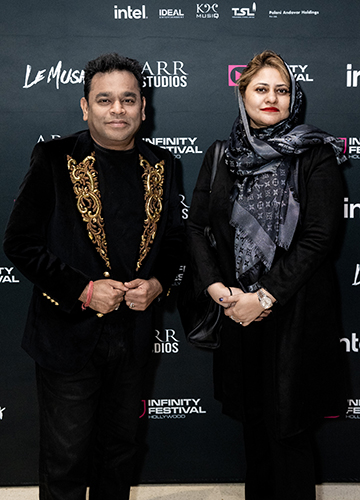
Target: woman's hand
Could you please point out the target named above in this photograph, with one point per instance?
(218, 291)
(244, 308)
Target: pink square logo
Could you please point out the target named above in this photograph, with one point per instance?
(234, 73)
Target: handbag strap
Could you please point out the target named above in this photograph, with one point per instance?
(218, 154)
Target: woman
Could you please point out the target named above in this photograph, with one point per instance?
(274, 210)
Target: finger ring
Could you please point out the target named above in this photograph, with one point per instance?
(132, 305)
(232, 317)
(240, 322)
(116, 308)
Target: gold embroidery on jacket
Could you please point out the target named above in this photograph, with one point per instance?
(86, 189)
(153, 179)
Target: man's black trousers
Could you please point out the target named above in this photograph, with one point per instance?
(88, 424)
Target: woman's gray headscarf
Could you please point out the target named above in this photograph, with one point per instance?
(266, 208)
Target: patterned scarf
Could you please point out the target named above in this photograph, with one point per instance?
(266, 208)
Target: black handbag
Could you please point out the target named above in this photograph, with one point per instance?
(201, 316)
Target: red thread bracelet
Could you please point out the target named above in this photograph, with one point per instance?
(86, 304)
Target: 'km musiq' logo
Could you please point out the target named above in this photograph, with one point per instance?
(207, 11)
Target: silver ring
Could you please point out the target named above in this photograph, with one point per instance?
(240, 322)
(232, 317)
(132, 305)
(116, 308)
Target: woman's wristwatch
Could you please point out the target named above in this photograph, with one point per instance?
(264, 300)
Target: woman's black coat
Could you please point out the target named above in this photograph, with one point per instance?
(301, 360)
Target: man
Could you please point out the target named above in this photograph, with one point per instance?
(97, 228)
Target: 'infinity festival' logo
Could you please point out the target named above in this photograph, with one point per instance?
(161, 409)
(353, 410)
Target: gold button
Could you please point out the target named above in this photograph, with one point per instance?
(107, 274)
(99, 315)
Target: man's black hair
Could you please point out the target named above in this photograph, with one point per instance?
(107, 63)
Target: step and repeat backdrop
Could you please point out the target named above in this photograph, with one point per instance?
(192, 53)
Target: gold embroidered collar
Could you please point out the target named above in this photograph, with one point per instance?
(84, 178)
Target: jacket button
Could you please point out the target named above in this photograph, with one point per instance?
(107, 274)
